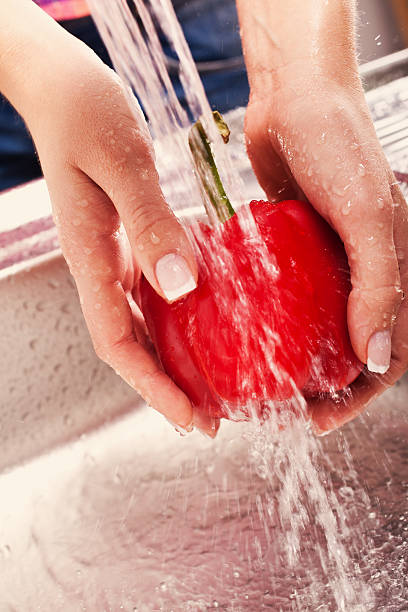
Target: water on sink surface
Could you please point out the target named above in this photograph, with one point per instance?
(135, 518)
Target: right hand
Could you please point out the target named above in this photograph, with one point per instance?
(97, 158)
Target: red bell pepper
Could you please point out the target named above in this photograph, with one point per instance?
(269, 315)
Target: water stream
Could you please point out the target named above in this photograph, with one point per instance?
(299, 515)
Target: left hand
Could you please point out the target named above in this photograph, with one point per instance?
(322, 144)
(309, 134)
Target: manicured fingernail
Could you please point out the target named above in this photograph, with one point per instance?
(180, 429)
(321, 433)
(189, 428)
(174, 276)
(379, 352)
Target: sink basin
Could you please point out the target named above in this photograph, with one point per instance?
(132, 517)
(105, 508)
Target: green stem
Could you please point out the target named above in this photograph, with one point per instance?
(206, 167)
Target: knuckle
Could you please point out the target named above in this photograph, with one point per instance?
(110, 350)
(384, 299)
(148, 224)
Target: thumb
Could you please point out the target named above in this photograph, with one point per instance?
(158, 241)
(375, 298)
(376, 290)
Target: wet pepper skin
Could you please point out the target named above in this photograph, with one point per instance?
(279, 321)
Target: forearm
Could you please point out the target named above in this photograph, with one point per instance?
(304, 35)
(36, 56)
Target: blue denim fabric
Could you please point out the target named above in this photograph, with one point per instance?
(212, 31)
(18, 159)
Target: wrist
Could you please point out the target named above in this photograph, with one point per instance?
(282, 41)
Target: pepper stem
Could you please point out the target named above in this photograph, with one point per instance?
(206, 168)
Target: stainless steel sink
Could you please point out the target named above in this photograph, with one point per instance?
(131, 517)
(103, 507)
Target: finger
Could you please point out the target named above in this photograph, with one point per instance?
(91, 241)
(350, 189)
(125, 170)
(328, 415)
(209, 426)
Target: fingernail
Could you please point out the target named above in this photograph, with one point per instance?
(379, 352)
(189, 428)
(174, 276)
(321, 433)
(207, 435)
(180, 429)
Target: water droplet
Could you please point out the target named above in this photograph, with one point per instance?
(380, 203)
(163, 587)
(361, 171)
(155, 239)
(338, 190)
(346, 208)
(117, 477)
(182, 432)
(76, 221)
(215, 604)
(236, 574)
(346, 493)
(5, 551)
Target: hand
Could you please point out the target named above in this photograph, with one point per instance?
(327, 148)
(309, 134)
(97, 159)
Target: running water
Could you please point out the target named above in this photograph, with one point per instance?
(299, 497)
